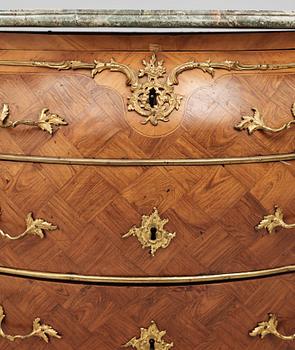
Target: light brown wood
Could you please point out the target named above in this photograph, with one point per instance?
(195, 317)
(213, 209)
(100, 126)
(94, 207)
(126, 42)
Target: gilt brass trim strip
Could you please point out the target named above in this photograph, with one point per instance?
(147, 162)
(145, 280)
(97, 66)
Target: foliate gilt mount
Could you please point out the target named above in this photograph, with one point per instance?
(270, 327)
(272, 221)
(151, 338)
(151, 234)
(254, 122)
(39, 330)
(154, 99)
(46, 121)
(34, 227)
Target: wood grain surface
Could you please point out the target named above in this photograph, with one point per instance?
(216, 316)
(213, 210)
(100, 126)
(133, 42)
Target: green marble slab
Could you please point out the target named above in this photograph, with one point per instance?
(147, 19)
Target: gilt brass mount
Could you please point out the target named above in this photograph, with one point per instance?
(153, 98)
(272, 221)
(39, 329)
(45, 122)
(151, 338)
(151, 234)
(255, 122)
(269, 327)
(34, 227)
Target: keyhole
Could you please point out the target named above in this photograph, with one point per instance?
(152, 344)
(153, 231)
(153, 97)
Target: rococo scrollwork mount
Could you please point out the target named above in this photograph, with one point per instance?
(40, 330)
(152, 98)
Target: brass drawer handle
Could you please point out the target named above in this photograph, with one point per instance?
(151, 234)
(255, 122)
(45, 122)
(35, 227)
(39, 329)
(272, 221)
(151, 338)
(269, 327)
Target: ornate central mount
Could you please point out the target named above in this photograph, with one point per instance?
(151, 234)
(153, 99)
(151, 338)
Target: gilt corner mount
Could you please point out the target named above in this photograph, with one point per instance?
(154, 97)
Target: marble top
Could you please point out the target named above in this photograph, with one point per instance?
(147, 19)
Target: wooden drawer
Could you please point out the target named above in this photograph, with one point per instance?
(103, 317)
(212, 210)
(198, 206)
(96, 109)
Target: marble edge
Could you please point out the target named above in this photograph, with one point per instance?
(147, 19)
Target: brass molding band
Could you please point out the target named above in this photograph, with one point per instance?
(145, 280)
(147, 162)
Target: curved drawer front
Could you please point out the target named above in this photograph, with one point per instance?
(97, 317)
(170, 107)
(99, 219)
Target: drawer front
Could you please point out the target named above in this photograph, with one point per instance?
(213, 211)
(195, 317)
(144, 221)
(104, 122)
